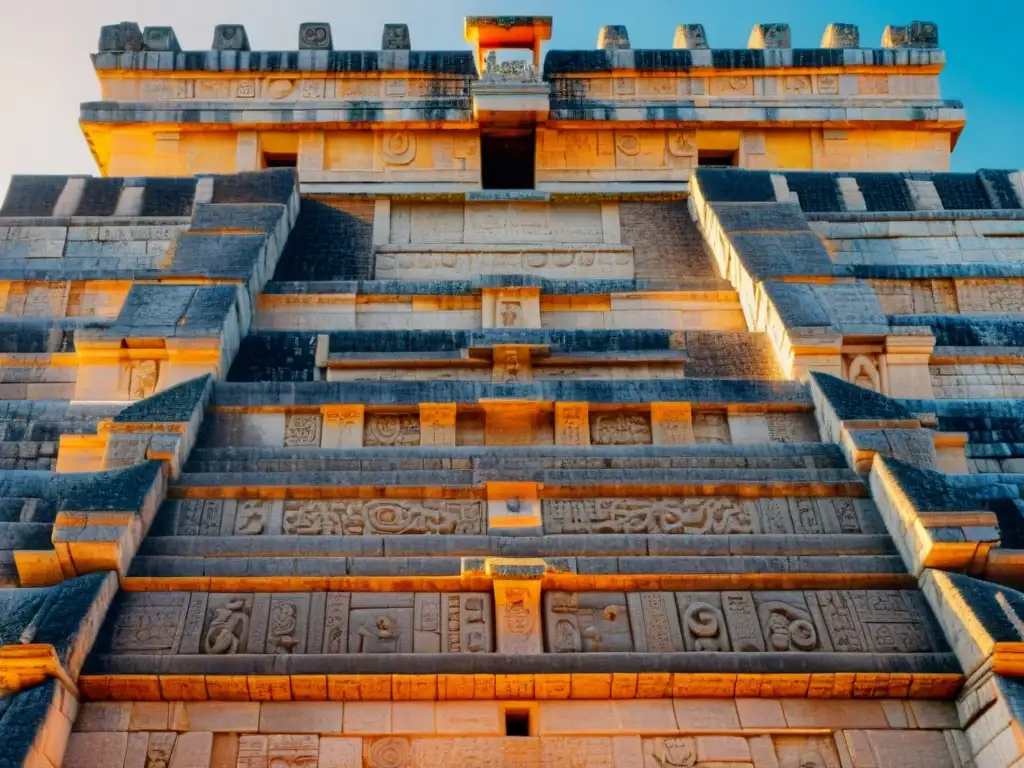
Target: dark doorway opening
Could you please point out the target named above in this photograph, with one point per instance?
(720, 158)
(280, 160)
(517, 723)
(507, 160)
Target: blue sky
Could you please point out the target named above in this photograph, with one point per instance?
(45, 47)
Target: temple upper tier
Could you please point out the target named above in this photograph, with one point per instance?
(451, 121)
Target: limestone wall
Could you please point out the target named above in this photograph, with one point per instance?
(785, 733)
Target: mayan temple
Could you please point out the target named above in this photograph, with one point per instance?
(514, 407)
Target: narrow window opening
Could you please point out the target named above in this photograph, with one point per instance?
(280, 160)
(517, 723)
(507, 160)
(715, 157)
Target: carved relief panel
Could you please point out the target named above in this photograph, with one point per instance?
(391, 429)
(142, 378)
(696, 515)
(620, 429)
(345, 517)
(585, 622)
(839, 621)
(302, 430)
(150, 622)
(865, 370)
(711, 427)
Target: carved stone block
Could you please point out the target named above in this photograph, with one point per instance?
(316, 36)
(467, 622)
(620, 429)
(343, 426)
(437, 423)
(689, 515)
(302, 430)
(841, 36)
(654, 619)
(690, 36)
(587, 622)
(742, 622)
(293, 751)
(381, 623)
(382, 516)
(230, 37)
(711, 427)
(228, 625)
(252, 517)
(160, 39)
(675, 751)
(671, 424)
(786, 622)
(702, 621)
(118, 38)
(572, 424)
(806, 752)
(151, 622)
(770, 36)
(396, 38)
(518, 626)
(288, 624)
(613, 38)
(391, 429)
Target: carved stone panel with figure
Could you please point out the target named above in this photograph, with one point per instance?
(702, 621)
(587, 622)
(227, 628)
(381, 622)
(288, 625)
(787, 623)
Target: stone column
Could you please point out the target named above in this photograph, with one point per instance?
(572, 424)
(672, 423)
(437, 423)
(906, 360)
(343, 426)
(518, 619)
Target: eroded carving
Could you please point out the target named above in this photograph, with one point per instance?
(302, 430)
(711, 427)
(675, 752)
(390, 429)
(228, 619)
(142, 379)
(587, 622)
(620, 429)
(399, 147)
(707, 515)
(357, 517)
(149, 623)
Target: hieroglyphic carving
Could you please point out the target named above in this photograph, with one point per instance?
(246, 89)
(673, 752)
(190, 517)
(467, 623)
(891, 624)
(711, 427)
(336, 623)
(654, 620)
(796, 85)
(381, 623)
(786, 622)
(702, 621)
(741, 619)
(840, 618)
(227, 624)
(289, 618)
(149, 622)
(142, 379)
(698, 515)
(620, 429)
(390, 429)
(251, 517)
(588, 622)
(682, 143)
(382, 516)
(399, 147)
(571, 424)
(302, 430)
